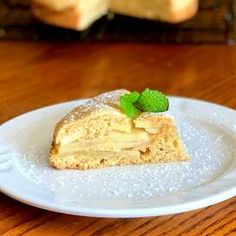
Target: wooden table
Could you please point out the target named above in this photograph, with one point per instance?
(33, 75)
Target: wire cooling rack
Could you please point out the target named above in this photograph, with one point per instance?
(215, 22)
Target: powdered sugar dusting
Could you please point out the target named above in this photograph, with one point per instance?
(94, 104)
(210, 147)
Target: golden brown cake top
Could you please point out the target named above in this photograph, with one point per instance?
(106, 103)
(104, 100)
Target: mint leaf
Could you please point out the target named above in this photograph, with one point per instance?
(127, 104)
(152, 101)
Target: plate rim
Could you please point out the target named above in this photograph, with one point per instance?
(134, 213)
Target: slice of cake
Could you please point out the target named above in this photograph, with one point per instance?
(98, 134)
(173, 11)
(72, 14)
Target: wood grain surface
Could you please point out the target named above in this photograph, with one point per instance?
(33, 75)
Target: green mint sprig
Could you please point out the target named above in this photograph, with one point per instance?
(147, 101)
(127, 102)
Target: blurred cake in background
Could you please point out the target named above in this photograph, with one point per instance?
(80, 14)
(72, 14)
(172, 11)
(125, 21)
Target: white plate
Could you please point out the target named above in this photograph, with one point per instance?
(208, 132)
